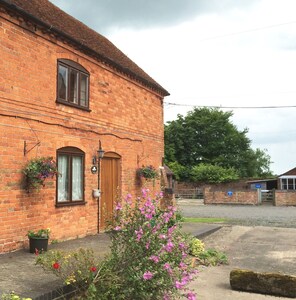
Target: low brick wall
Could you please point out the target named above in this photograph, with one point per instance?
(285, 198)
(249, 197)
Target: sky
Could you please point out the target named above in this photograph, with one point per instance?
(239, 55)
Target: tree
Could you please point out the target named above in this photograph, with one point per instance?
(208, 136)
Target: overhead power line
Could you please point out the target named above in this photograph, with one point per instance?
(232, 107)
(247, 31)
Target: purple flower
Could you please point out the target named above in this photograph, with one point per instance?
(182, 246)
(167, 267)
(191, 296)
(179, 285)
(169, 246)
(155, 258)
(118, 206)
(147, 275)
(139, 234)
(128, 199)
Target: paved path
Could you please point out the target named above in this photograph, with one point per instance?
(266, 249)
(249, 215)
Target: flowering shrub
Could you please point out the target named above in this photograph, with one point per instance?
(77, 268)
(37, 170)
(147, 172)
(148, 251)
(148, 257)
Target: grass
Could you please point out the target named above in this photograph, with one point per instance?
(205, 220)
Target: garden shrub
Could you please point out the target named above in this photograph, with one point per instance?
(196, 246)
(148, 256)
(206, 257)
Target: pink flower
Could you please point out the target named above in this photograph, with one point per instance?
(128, 199)
(155, 258)
(169, 246)
(139, 234)
(166, 297)
(185, 280)
(182, 246)
(147, 245)
(145, 192)
(149, 216)
(167, 267)
(182, 265)
(147, 275)
(118, 206)
(117, 228)
(171, 229)
(191, 296)
(179, 285)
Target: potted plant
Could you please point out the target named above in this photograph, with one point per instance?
(37, 170)
(148, 172)
(38, 240)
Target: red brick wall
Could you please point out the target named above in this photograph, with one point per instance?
(127, 118)
(285, 198)
(212, 196)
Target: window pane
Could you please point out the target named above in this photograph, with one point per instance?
(290, 184)
(73, 86)
(83, 90)
(62, 82)
(284, 184)
(77, 178)
(63, 178)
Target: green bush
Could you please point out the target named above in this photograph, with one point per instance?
(206, 257)
(213, 174)
(196, 246)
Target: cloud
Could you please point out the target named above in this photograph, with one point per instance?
(103, 15)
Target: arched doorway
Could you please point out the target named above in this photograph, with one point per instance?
(110, 186)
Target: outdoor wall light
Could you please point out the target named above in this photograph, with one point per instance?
(100, 155)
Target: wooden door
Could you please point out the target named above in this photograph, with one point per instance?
(110, 186)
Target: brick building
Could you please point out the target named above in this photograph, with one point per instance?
(65, 89)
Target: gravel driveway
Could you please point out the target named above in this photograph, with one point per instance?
(248, 215)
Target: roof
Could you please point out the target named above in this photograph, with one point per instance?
(54, 20)
(262, 180)
(289, 173)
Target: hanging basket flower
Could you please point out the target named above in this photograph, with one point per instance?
(147, 172)
(37, 170)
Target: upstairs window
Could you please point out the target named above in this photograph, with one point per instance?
(72, 84)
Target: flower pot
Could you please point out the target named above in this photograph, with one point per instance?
(38, 244)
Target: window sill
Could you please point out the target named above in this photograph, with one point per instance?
(73, 105)
(64, 204)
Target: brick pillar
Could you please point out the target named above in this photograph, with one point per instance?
(168, 198)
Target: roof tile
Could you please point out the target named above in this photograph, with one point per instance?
(59, 21)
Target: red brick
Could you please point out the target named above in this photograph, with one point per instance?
(121, 109)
